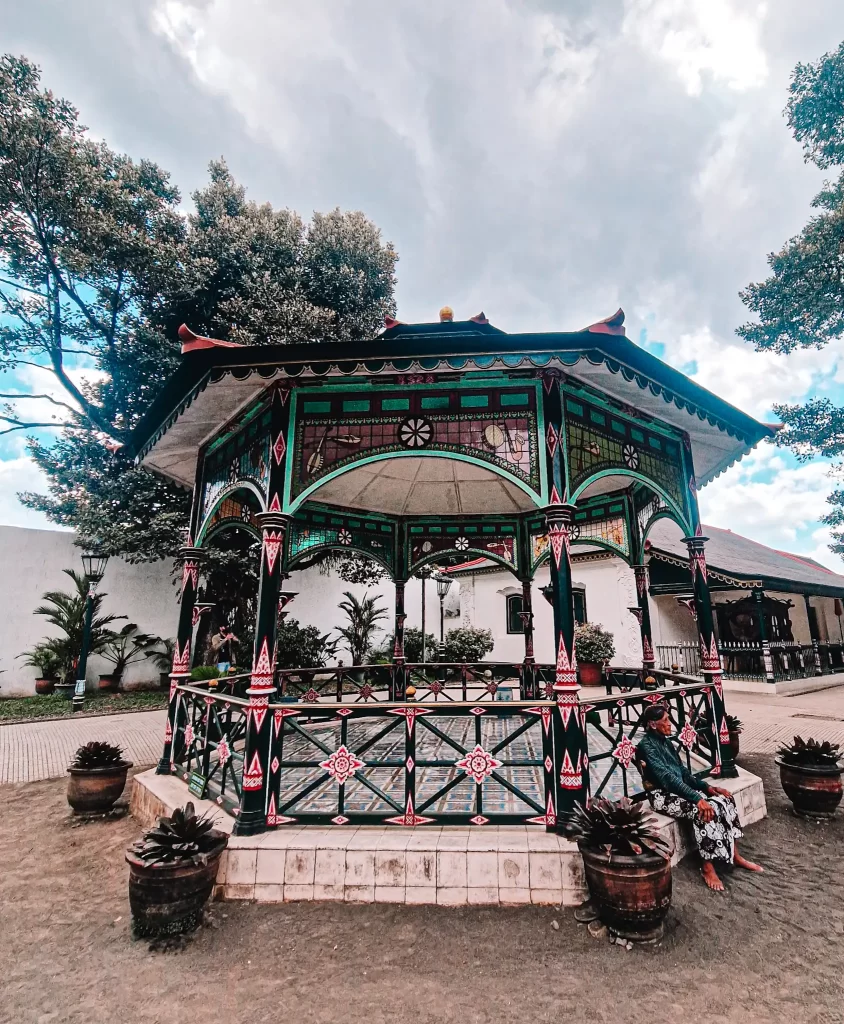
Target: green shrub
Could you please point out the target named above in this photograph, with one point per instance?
(592, 643)
(467, 643)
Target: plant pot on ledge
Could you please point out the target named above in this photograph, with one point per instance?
(108, 683)
(97, 778)
(172, 871)
(45, 685)
(810, 773)
(627, 865)
(593, 648)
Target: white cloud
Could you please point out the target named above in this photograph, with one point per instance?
(772, 503)
(21, 474)
(721, 38)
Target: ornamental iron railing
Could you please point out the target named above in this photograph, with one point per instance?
(614, 729)
(444, 761)
(745, 659)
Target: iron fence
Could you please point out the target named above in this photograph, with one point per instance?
(744, 659)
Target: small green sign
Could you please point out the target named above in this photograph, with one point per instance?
(197, 784)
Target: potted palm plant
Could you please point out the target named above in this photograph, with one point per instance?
(97, 777)
(810, 773)
(172, 870)
(363, 618)
(48, 663)
(627, 865)
(703, 725)
(162, 657)
(123, 649)
(66, 612)
(593, 647)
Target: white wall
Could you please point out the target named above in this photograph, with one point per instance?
(32, 562)
(610, 590)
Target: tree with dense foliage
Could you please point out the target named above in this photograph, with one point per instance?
(99, 267)
(467, 643)
(801, 304)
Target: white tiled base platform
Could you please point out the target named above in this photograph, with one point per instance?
(449, 866)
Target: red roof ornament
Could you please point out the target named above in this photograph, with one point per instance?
(612, 325)
(389, 322)
(194, 342)
(479, 319)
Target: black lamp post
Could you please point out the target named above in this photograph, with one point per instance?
(443, 586)
(424, 574)
(94, 564)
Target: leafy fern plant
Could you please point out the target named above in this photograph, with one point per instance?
(183, 837)
(621, 827)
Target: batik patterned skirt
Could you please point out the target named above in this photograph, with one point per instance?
(716, 839)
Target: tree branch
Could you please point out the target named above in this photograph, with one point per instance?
(49, 398)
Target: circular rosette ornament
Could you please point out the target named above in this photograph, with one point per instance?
(631, 456)
(344, 537)
(415, 432)
(462, 544)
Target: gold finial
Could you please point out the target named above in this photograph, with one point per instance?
(446, 314)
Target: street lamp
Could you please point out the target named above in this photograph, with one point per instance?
(424, 573)
(94, 564)
(443, 585)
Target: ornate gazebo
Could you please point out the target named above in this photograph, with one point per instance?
(432, 443)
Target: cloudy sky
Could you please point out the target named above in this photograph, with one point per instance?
(543, 160)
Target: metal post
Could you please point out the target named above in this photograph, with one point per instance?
(398, 676)
(570, 751)
(190, 557)
(710, 658)
(82, 662)
(648, 658)
(764, 640)
(813, 634)
(529, 664)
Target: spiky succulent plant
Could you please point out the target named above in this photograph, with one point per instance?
(616, 826)
(98, 755)
(810, 752)
(184, 836)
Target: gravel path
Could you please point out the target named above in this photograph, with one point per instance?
(769, 950)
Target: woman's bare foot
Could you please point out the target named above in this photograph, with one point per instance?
(710, 876)
(748, 865)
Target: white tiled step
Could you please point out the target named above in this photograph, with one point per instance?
(448, 866)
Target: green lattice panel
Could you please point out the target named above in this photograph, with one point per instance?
(244, 456)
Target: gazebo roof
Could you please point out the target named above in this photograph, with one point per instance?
(218, 380)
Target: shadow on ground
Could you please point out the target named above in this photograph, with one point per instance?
(770, 949)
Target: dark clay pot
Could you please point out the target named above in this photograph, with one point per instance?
(814, 791)
(735, 744)
(590, 673)
(632, 894)
(95, 790)
(167, 899)
(44, 686)
(109, 684)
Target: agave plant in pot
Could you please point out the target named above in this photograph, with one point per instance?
(97, 777)
(627, 865)
(172, 870)
(810, 773)
(593, 647)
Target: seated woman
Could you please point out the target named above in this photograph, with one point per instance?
(673, 790)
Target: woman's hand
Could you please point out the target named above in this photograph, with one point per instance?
(707, 811)
(716, 791)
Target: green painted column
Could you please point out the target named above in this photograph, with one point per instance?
(764, 638)
(258, 808)
(642, 584)
(570, 750)
(529, 664)
(190, 558)
(709, 657)
(399, 673)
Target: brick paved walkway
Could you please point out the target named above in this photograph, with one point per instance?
(770, 721)
(43, 750)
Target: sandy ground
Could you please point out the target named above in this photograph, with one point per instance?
(771, 949)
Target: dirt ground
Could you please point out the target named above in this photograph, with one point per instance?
(771, 949)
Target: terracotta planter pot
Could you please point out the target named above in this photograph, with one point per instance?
(44, 686)
(814, 791)
(590, 673)
(95, 790)
(167, 899)
(108, 684)
(632, 894)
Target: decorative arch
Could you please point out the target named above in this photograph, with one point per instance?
(463, 555)
(293, 561)
(310, 492)
(591, 542)
(223, 514)
(675, 509)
